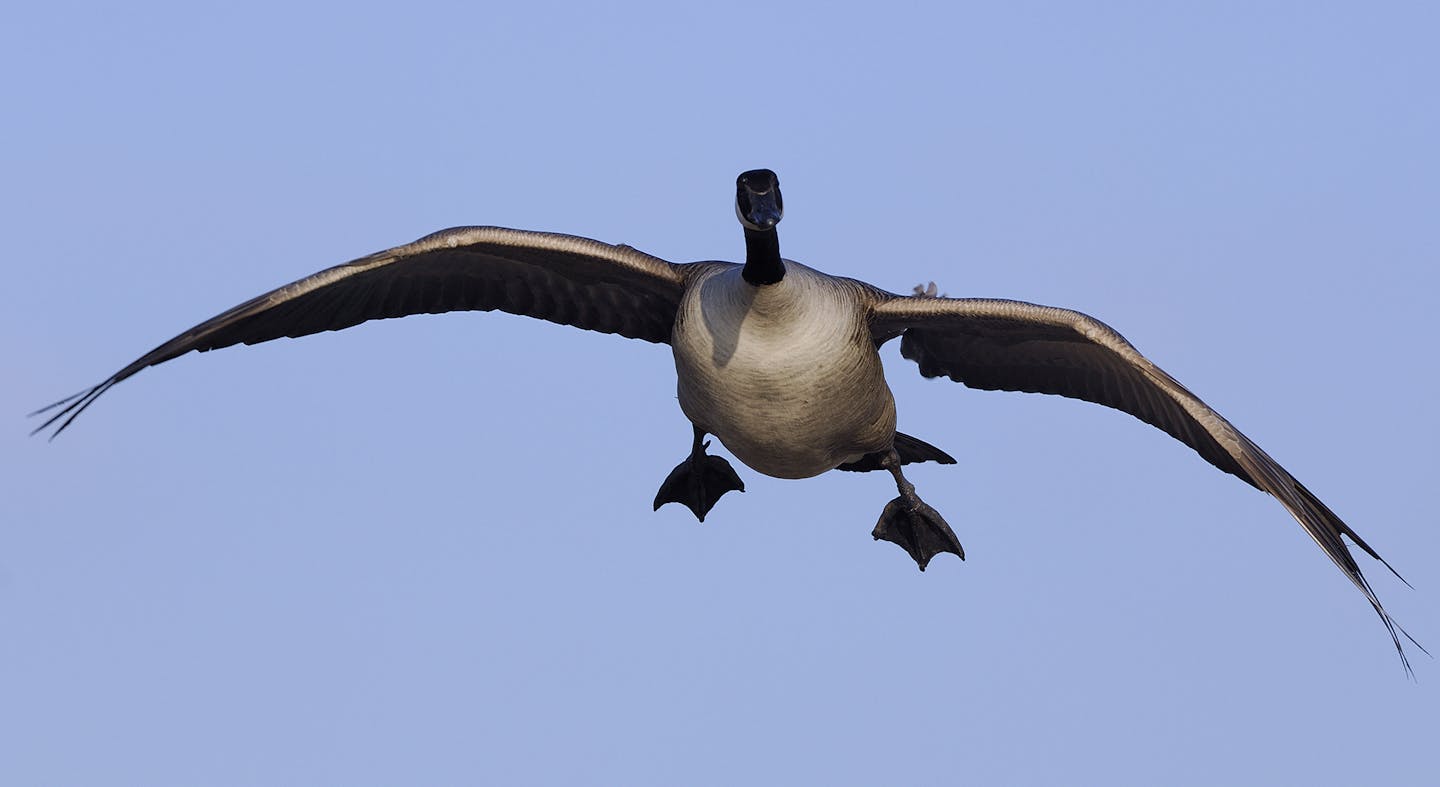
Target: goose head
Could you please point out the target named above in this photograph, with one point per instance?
(757, 200)
(760, 207)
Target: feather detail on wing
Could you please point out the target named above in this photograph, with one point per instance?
(561, 278)
(1016, 346)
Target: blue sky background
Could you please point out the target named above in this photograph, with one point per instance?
(422, 551)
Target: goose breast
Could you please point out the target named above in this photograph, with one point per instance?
(785, 375)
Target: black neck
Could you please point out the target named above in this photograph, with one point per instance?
(762, 257)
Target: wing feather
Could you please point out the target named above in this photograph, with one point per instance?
(561, 278)
(1015, 346)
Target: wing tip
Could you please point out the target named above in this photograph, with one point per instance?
(1392, 626)
(70, 408)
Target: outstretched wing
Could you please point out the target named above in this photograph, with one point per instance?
(1015, 346)
(560, 278)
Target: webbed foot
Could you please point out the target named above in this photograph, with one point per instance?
(699, 481)
(910, 522)
(918, 529)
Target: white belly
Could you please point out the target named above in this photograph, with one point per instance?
(774, 372)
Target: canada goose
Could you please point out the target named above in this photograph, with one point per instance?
(777, 360)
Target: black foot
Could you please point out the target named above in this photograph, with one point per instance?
(919, 530)
(698, 482)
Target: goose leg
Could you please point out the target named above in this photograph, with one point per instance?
(699, 481)
(909, 522)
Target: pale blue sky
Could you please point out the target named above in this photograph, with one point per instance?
(422, 551)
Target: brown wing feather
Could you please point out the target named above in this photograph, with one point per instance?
(1017, 346)
(561, 278)
(1003, 345)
